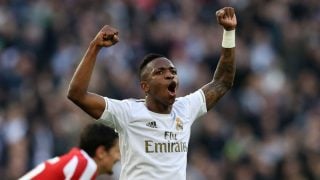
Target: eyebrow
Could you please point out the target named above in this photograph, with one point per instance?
(162, 68)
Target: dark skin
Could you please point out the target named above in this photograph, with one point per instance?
(225, 72)
(159, 78)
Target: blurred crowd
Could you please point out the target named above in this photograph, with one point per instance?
(266, 127)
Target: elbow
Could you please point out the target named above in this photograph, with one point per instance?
(73, 95)
(70, 96)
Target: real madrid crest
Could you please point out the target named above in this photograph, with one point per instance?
(179, 124)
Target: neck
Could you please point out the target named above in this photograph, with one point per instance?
(99, 170)
(158, 107)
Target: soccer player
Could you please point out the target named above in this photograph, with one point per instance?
(96, 155)
(154, 132)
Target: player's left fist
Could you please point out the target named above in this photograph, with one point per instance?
(226, 17)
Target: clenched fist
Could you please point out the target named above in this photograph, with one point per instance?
(106, 37)
(226, 17)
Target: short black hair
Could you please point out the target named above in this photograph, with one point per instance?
(148, 58)
(95, 135)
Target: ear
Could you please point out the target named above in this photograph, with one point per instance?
(144, 86)
(100, 152)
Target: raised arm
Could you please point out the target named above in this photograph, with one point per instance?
(78, 93)
(224, 74)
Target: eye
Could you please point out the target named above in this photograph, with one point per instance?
(159, 72)
(174, 72)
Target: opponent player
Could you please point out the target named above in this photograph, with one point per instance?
(154, 132)
(97, 153)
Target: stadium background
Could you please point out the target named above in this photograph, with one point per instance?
(266, 127)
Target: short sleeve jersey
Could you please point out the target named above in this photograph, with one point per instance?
(76, 164)
(152, 145)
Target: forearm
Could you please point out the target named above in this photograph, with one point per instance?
(223, 78)
(224, 74)
(81, 78)
(226, 68)
(91, 103)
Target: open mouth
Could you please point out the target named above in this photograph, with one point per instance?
(172, 87)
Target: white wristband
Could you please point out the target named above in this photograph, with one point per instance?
(229, 39)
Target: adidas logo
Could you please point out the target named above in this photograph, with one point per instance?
(152, 124)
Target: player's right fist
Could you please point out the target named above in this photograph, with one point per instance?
(106, 37)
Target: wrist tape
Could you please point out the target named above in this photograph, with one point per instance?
(229, 39)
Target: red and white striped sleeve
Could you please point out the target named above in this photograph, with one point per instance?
(76, 164)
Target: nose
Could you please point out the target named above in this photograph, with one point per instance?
(169, 75)
(118, 156)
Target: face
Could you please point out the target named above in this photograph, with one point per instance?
(107, 159)
(161, 82)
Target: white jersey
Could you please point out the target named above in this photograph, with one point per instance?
(152, 145)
